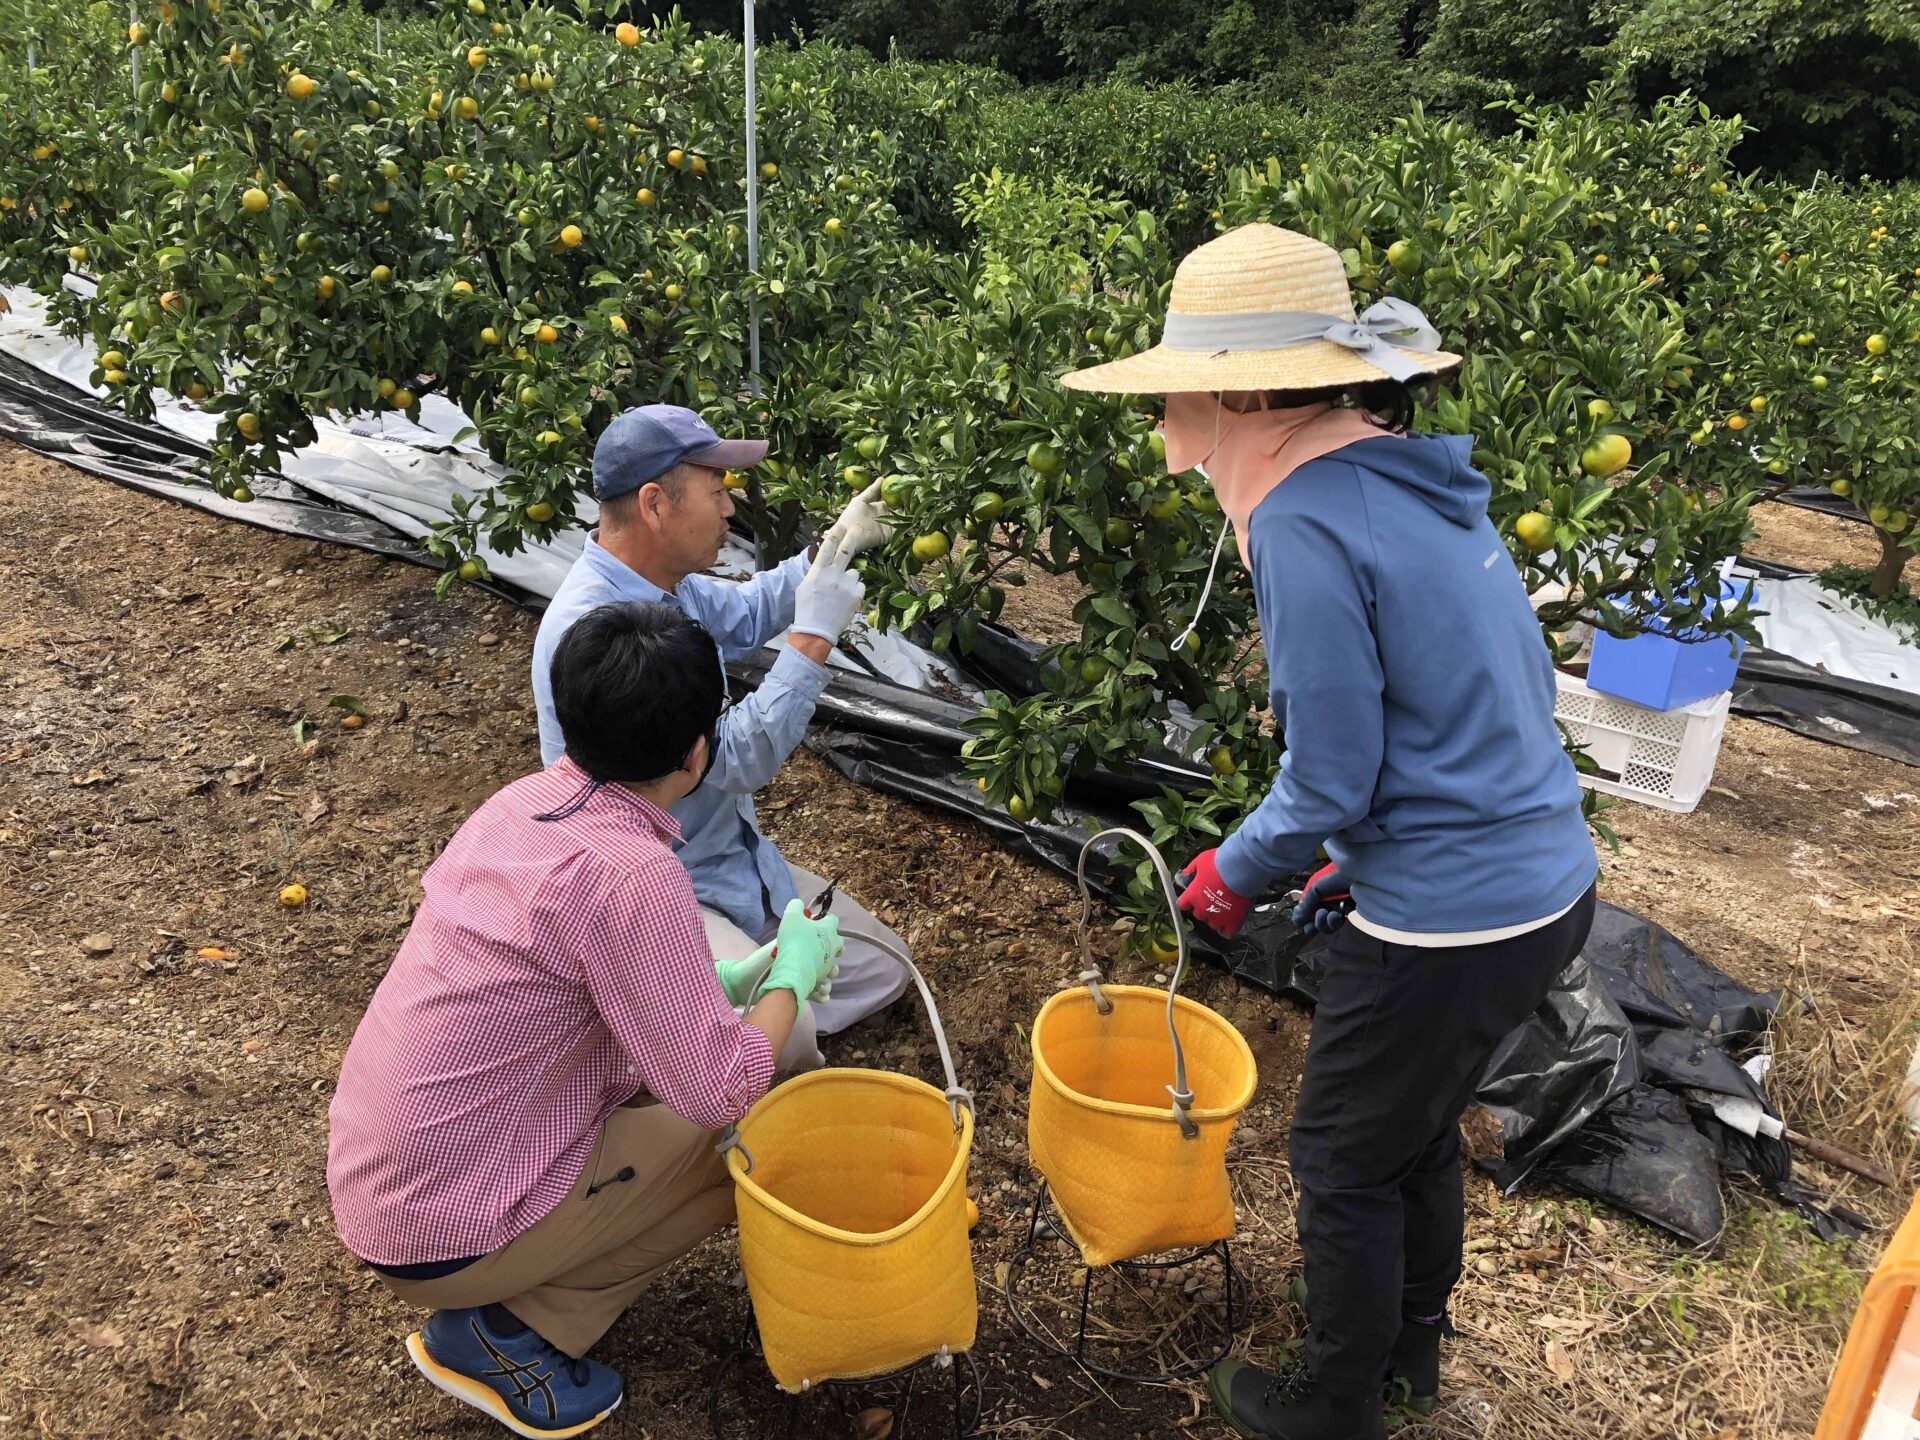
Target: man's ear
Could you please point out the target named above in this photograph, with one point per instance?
(696, 762)
(651, 504)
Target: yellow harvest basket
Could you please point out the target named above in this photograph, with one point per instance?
(1136, 1165)
(1875, 1391)
(851, 1189)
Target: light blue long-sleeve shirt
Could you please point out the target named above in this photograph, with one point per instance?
(735, 868)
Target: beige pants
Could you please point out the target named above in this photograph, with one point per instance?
(869, 978)
(574, 1273)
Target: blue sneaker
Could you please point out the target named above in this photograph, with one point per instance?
(520, 1380)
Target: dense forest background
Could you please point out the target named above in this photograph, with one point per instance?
(1827, 86)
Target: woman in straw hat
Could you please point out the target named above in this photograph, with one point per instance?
(1415, 696)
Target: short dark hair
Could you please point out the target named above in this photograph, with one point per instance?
(619, 510)
(634, 686)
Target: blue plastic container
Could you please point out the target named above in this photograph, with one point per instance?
(1663, 671)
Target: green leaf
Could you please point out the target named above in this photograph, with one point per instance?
(352, 704)
(1082, 525)
(1592, 503)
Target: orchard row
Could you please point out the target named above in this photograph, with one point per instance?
(544, 220)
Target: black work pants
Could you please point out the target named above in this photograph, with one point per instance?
(1400, 1038)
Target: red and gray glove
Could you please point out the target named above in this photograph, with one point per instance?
(1325, 903)
(1209, 899)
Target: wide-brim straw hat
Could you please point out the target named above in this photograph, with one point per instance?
(1263, 308)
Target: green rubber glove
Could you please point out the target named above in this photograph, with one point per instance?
(805, 952)
(740, 978)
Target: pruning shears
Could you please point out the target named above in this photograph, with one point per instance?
(815, 909)
(1322, 904)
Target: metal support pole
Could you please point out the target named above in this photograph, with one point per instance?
(133, 51)
(753, 214)
(376, 35)
(33, 100)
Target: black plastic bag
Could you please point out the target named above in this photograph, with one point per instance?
(1573, 1056)
(1642, 1152)
(1658, 978)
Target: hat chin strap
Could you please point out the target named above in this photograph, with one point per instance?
(1206, 590)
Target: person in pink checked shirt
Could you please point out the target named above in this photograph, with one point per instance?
(523, 1133)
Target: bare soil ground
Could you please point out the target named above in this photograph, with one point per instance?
(167, 1265)
(1789, 535)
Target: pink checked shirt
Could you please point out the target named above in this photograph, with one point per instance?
(554, 969)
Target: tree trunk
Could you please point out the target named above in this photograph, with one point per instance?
(1893, 560)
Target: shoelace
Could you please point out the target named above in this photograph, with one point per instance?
(1293, 1383)
(577, 1370)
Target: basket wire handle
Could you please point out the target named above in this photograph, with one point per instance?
(957, 1094)
(1090, 976)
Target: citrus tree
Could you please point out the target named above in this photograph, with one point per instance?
(994, 472)
(1582, 376)
(543, 219)
(1171, 149)
(1817, 383)
(539, 220)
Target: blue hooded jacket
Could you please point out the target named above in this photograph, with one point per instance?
(1415, 695)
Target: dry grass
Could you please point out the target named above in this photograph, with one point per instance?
(1626, 1338)
(1630, 1337)
(1846, 1080)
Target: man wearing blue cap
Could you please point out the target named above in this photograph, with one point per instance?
(659, 473)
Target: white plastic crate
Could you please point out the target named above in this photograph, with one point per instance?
(1658, 757)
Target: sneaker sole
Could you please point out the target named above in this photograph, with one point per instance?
(485, 1398)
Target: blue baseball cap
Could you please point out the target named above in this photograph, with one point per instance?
(644, 444)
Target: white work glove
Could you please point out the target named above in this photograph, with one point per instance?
(829, 596)
(862, 525)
